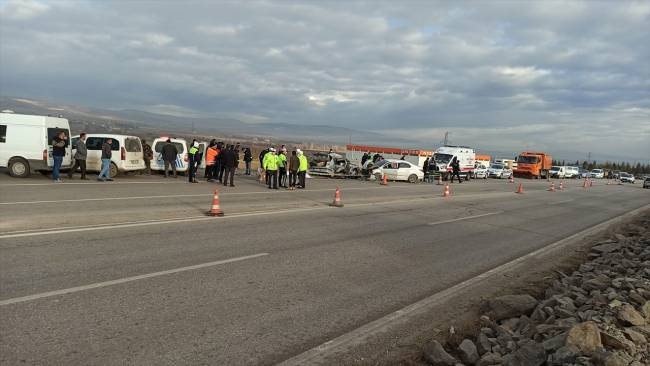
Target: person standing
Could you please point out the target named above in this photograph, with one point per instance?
(302, 169)
(261, 157)
(194, 157)
(270, 165)
(169, 153)
(455, 169)
(282, 169)
(80, 157)
(222, 163)
(364, 158)
(294, 164)
(147, 156)
(210, 160)
(59, 143)
(107, 153)
(230, 161)
(248, 158)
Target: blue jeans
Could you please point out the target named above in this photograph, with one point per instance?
(106, 166)
(58, 160)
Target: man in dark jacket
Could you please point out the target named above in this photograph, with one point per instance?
(80, 157)
(107, 153)
(231, 161)
(248, 158)
(169, 153)
(294, 164)
(222, 163)
(59, 143)
(147, 156)
(455, 167)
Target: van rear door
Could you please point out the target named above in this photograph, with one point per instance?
(131, 153)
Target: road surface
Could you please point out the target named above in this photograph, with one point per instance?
(133, 273)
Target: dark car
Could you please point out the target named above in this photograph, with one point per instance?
(646, 182)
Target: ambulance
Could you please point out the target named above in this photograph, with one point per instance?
(444, 155)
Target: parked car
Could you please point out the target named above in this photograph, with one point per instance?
(481, 171)
(626, 177)
(584, 173)
(126, 156)
(499, 171)
(572, 172)
(25, 143)
(597, 173)
(395, 169)
(557, 172)
(646, 182)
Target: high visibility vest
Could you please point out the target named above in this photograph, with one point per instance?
(193, 150)
(211, 156)
(282, 160)
(270, 162)
(304, 164)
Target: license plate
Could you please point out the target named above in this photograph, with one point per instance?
(135, 161)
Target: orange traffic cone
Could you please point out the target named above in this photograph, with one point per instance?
(591, 182)
(384, 180)
(216, 210)
(585, 184)
(520, 189)
(511, 179)
(337, 198)
(561, 185)
(552, 187)
(446, 193)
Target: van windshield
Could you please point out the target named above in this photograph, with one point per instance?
(555, 168)
(132, 144)
(496, 166)
(527, 159)
(442, 158)
(159, 145)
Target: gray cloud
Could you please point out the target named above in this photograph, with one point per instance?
(498, 75)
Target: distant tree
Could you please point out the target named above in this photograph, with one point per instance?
(584, 165)
(577, 163)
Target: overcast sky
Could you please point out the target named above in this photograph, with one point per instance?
(500, 75)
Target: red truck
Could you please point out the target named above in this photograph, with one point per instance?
(533, 165)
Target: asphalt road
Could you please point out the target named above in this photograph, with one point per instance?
(133, 273)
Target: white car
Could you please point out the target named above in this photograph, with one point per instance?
(398, 170)
(557, 172)
(126, 153)
(626, 177)
(481, 171)
(572, 172)
(499, 171)
(598, 173)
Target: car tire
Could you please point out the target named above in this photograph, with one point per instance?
(113, 172)
(19, 168)
(413, 178)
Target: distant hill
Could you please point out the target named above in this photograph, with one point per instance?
(93, 119)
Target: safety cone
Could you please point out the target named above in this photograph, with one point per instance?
(552, 187)
(337, 198)
(511, 179)
(216, 210)
(446, 193)
(591, 182)
(439, 179)
(561, 185)
(384, 180)
(585, 184)
(520, 189)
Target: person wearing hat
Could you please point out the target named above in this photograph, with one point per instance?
(270, 165)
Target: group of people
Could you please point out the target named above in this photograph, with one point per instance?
(59, 144)
(280, 171)
(221, 162)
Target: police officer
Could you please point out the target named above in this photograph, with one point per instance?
(282, 169)
(194, 158)
(302, 168)
(270, 165)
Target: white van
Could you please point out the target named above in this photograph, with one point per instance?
(572, 172)
(182, 158)
(557, 172)
(126, 153)
(25, 143)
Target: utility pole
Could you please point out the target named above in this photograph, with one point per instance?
(446, 138)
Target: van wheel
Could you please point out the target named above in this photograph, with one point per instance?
(19, 168)
(413, 178)
(113, 170)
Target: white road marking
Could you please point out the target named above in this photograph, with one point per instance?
(129, 224)
(345, 342)
(464, 218)
(125, 280)
(563, 201)
(221, 193)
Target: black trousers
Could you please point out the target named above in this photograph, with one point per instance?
(81, 164)
(282, 177)
(455, 174)
(248, 168)
(191, 170)
(301, 178)
(272, 176)
(229, 173)
(222, 169)
(293, 177)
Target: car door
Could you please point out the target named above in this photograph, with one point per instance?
(404, 170)
(94, 156)
(390, 170)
